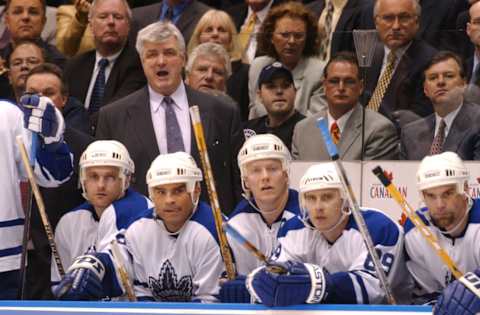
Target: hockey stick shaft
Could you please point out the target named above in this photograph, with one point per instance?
(470, 280)
(118, 261)
(26, 225)
(212, 192)
(41, 205)
(332, 151)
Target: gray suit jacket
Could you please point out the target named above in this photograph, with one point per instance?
(463, 138)
(307, 75)
(129, 121)
(381, 141)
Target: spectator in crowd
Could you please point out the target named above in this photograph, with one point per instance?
(74, 35)
(472, 64)
(26, 20)
(53, 166)
(25, 56)
(289, 35)
(185, 14)
(394, 82)
(248, 17)
(113, 69)
(337, 20)
(46, 79)
(217, 27)
(48, 33)
(156, 119)
(346, 119)
(451, 215)
(268, 204)
(454, 124)
(208, 69)
(277, 91)
(464, 46)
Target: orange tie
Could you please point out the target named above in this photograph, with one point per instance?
(335, 132)
(247, 30)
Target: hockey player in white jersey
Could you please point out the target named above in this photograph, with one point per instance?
(105, 173)
(171, 253)
(53, 166)
(452, 216)
(268, 203)
(324, 253)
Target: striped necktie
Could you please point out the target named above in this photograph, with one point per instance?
(383, 83)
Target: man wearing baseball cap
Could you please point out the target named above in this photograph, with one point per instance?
(277, 92)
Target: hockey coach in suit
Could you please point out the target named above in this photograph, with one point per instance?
(155, 119)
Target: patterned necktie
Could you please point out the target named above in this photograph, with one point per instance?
(328, 30)
(173, 131)
(335, 132)
(247, 31)
(382, 85)
(169, 14)
(437, 144)
(96, 99)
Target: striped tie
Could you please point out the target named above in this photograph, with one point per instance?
(96, 100)
(335, 132)
(328, 31)
(382, 85)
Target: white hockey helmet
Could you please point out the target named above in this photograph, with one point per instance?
(319, 176)
(172, 168)
(262, 147)
(107, 153)
(442, 169)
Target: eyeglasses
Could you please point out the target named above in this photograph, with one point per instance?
(403, 18)
(296, 35)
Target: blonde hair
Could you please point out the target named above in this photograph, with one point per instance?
(233, 49)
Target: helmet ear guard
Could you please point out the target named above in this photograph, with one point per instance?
(106, 153)
(262, 147)
(178, 167)
(442, 169)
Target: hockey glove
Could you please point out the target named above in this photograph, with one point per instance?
(83, 280)
(457, 299)
(41, 116)
(234, 291)
(303, 283)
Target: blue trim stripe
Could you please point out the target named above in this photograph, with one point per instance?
(14, 222)
(362, 287)
(11, 251)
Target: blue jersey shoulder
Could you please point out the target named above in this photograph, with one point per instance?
(129, 208)
(294, 223)
(382, 229)
(292, 205)
(204, 216)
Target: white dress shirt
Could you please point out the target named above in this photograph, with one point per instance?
(341, 122)
(448, 121)
(252, 43)
(157, 109)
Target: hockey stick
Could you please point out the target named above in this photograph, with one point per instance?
(470, 280)
(212, 193)
(332, 151)
(26, 225)
(237, 236)
(118, 261)
(41, 205)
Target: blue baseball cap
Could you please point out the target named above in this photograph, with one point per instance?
(272, 71)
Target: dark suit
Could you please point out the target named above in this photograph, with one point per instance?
(405, 90)
(125, 77)
(237, 87)
(149, 14)
(463, 137)
(129, 121)
(342, 38)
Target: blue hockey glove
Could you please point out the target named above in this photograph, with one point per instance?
(457, 299)
(83, 280)
(303, 283)
(41, 116)
(234, 291)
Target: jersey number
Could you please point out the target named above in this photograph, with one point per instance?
(386, 260)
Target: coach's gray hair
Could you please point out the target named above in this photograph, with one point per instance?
(208, 49)
(416, 4)
(158, 32)
(96, 2)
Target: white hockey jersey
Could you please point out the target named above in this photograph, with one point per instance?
(80, 230)
(431, 275)
(179, 267)
(49, 172)
(250, 223)
(352, 277)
